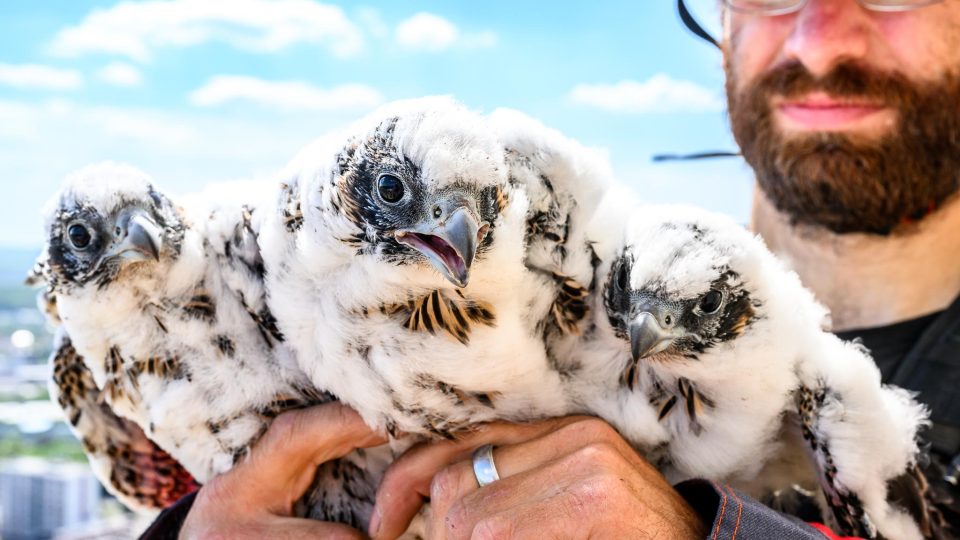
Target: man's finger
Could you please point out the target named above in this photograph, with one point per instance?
(301, 528)
(548, 517)
(286, 457)
(448, 486)
(407, 482)
(274, 528)
(456, 513)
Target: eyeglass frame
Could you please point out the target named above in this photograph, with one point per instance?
(799, 4)
(691, 22)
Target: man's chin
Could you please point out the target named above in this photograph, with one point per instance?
(853, 151)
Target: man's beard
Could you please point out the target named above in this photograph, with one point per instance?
(841, 182)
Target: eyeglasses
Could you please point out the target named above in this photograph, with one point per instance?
(783, 7)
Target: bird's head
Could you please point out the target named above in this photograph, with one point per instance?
(679, 286)
(106, 218)
(424, 187)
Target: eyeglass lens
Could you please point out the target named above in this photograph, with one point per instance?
(780, 7)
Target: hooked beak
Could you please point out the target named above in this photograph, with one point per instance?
(449, 242)
(648, 335)
(141, 239)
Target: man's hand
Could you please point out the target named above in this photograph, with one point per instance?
(564, 478)
(255, 499)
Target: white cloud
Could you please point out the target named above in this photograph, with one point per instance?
(134, 30)
(127, 123)
(291, 95)
(40, 77)
(658, 94)
(121, 74)
(372, 22)
(429, 32)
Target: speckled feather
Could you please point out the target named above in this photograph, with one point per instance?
(750, 388)
(370, 318)
(131, 466)
(180, 341)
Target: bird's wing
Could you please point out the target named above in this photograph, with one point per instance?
(131, 466)
(233, 232)
(39, 277)
(39, 274)
(847, 507)
(912, 491)
(564, 182)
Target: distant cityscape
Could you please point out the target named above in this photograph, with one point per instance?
(46, 487)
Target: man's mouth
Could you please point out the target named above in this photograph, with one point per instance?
(821, 112)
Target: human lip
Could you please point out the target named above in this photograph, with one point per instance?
(822, 112)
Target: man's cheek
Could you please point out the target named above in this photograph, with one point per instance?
(755, 45)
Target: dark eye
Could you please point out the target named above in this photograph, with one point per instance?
(711, 301)
(390, 188)
(623, 278)
(79, 236)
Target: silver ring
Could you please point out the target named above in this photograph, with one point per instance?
(483, 467)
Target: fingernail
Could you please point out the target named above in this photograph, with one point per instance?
(375, 521)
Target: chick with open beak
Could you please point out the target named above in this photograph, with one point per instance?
(448, 237)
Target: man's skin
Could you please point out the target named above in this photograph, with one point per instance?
(255, 499)
(869, 280)
(576, 477)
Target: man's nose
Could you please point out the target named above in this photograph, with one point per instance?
(829, 32)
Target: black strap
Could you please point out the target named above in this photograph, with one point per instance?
(691, 23)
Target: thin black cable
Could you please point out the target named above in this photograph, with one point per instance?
(660, 158)
(691, 23)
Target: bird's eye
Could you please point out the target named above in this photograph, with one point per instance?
(79, 236)
(711, 301)
(623, 277)
(390, 188)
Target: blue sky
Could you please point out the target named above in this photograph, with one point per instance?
(202, 91)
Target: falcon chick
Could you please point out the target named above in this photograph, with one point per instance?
(396, 267)
(166, 307)
(712, 358)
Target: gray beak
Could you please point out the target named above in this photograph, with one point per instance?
(652, 331)
(448, 240)
(140, 238)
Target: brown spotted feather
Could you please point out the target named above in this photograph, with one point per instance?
(201, 306)
(292, 212)
(137, 470)
(440, 311)
(848, 511)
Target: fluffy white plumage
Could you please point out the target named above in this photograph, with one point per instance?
(166, 305)
(564, 182)
(436, 334)
(728, 386)
(375, 321)
(435, 269)
(128, 464)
